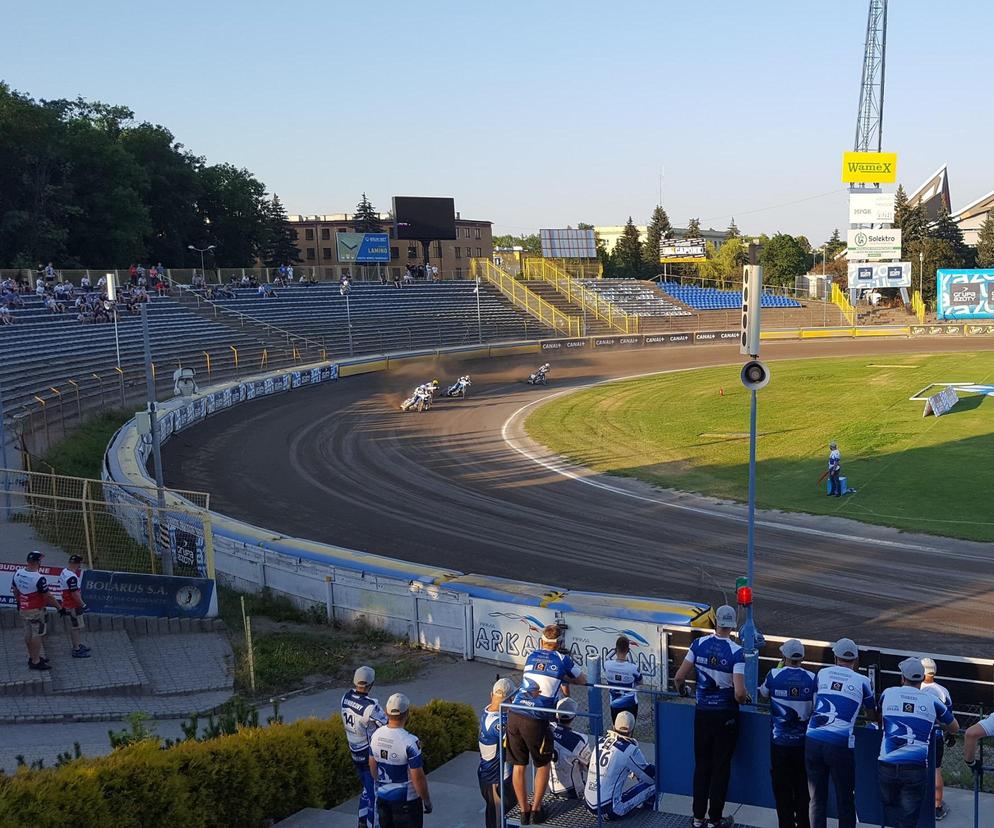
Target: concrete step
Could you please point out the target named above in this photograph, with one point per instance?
(595, 326)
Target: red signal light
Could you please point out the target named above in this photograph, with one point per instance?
(744, 596)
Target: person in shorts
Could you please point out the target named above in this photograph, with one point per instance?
(30, 589)
(71, 582)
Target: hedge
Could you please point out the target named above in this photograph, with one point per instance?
(245, 779)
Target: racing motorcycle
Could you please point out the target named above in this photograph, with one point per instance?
(458, 388)
(540, 377)
(421, 399)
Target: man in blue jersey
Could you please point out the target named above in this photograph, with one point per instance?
(493, 779)
(908, 715)
(828, 748)
(362, 715)
(719, 665)
(395, 761)
(622, 673)
(791, 691)
(547, 673)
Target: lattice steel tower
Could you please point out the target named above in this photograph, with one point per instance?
(870, 117)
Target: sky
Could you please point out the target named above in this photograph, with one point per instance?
(533, 114)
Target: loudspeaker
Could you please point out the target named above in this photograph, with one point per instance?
(755, 375)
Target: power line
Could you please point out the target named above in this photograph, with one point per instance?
(838, 191)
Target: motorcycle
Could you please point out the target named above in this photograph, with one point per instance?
(540, 377)
(421, 399)
(458, 388)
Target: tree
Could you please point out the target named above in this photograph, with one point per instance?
(783, 260)
(627, 254)
(234, 210)
(945, 229)
(926, 256)
(531, 243)
(367, 219)
(281, 244)
(724, 264)
(834, 244)
(909, 220)
(985, 242)
(733, 231)
(659, 228)
(693, 229)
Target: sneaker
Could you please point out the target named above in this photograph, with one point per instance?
(941, 811)
(84, 649)
(80, 653)
(697, 823)
(538, 816)
(526, 818)
(41, 665)
(724, 822)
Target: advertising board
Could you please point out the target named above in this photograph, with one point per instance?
(133, 593)
(890, 275)
(7, 571)
(871, 208)
(869, 167)
(506, 633)
(965, 294)
(568, 244)
(363, 247)
(873, 245)
(682, 250)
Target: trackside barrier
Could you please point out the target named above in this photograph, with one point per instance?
(483, 617)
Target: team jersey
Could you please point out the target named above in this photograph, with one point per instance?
(838, 697)
(570, 758)
(622, 674)
(716, 660)
(791, 693)
(489, 742)
(909, 714)
(620, 759)
(70, 582)
(834, 460)
(395, 751)
(940, 691)
(30, 589)
(988, 725)
(548, 669)
(362, 716)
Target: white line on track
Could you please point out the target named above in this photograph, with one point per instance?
(563, 468)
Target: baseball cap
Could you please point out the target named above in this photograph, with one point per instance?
(624, 723)
(363, 677)
(75, 559)
(846, 649)
(35, 556)
(725, 617)
(566, 709)
(792, 649)
(398, 704)
(912, 669)
(833, 445)
(503, 687)
(929, 666)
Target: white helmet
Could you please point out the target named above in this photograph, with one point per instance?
(364, 677)
(566, 709)
(624, 723)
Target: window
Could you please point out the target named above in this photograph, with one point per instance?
(342, 230)
(325, 233)
(465, 232)
(326, 253)
(479, 252)
(309, 234)
(458, 252)
(477, 233)
(310, 250)
(458, 272)
(392, 233)
(437, 253)
(394, 253)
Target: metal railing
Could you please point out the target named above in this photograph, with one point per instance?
(575, 292)
(526, 299)
(918, 306)
(840, 300)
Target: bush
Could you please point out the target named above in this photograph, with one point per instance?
(243, 779)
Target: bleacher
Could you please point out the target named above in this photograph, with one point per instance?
(706, 298)
(635, 298)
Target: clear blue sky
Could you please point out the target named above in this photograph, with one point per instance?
(533, 114)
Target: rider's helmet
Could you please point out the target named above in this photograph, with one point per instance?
(434, 383)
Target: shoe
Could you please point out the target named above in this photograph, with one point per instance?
(80, 653)
(538, 816)
(941, 811)
(84, 649)
(724, 822)
(41, 665)
(526, 818)
(697, 823)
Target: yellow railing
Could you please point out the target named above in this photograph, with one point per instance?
(918, 306)
(524, 298)
(574, 291)
(842, 302)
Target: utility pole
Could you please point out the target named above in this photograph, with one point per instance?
(167, 555)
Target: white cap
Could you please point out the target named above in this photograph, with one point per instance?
(398, 704)
(725, 617)
(792, 648)
(566, 709)
(929, 665)
(503, 687)
(846, 649)
(624, 723)
(912, 669)
(363, 677)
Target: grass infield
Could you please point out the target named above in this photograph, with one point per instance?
(689, 431)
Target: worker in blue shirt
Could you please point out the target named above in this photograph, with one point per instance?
(790, 689)
(621, 672)
(719, 666)
(834, 470)
(828, 747)
(494, 781)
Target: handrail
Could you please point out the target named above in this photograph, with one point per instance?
(525, 298)
(586, 298)
(842, 302)
(918, 306)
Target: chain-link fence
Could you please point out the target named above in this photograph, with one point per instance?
(112, 526)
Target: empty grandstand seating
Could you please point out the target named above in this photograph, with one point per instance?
(705, 298)
(636, 298)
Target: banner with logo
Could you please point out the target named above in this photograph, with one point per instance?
(591, 637)
(869, 167)
(873, 245)
(965, 294)
(668, 339)
(7, 571)
(871, 208)
(941, 403)
(163, 596)
(890, 275)
(682, 250)
(705, 337)
(507, 633)
(363, 247)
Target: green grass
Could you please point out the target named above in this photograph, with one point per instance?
(82, 453)
(932, 475)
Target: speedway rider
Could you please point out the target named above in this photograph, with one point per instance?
(362, 715)
(620, 759)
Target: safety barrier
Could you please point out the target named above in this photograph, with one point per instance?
(575, 292)
(842, 302)
(524, 298)
(918, 306)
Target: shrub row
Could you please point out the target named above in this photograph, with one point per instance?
(243, 780)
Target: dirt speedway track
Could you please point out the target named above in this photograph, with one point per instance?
(461, 487)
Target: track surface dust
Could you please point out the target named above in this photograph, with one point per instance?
(341, 464)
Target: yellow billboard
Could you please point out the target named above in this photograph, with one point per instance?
(869, 167)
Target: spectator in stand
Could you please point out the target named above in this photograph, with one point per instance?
(929, 685)
(289, 273)
(434, 273)
(197, 281)
(140, 270)
(6, 318)
(345, 284)
(11, 300)
(49, 273)
(245, 281)
(409, 275)
(39, 287)
(30, 589)
(62, 290)
(84, 282)
(133, 275)
(73, 607)
(54, 305)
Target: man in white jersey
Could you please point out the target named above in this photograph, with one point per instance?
(834, 470)
(622, 673)
(402, 797)
(908, 715)
(930, 685)
(570, 752)
(625, 780)
(362, 715)
(828, 746)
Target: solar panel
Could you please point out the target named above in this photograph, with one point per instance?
(568, 244)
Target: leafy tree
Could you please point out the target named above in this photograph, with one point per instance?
(531, 243)
(627, 254)
(733, 231)
(783, 259)
(693, 229)
(367, 219)
(834, 244)
(281, 244)
(724, 264)
(234, 210)
(659, 228)
(985, 242)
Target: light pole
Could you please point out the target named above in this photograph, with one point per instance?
(112, 298)
(201, 251)
(921, 270)
(167, 557)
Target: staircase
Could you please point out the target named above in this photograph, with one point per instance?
(590, 325)
(590, 303)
